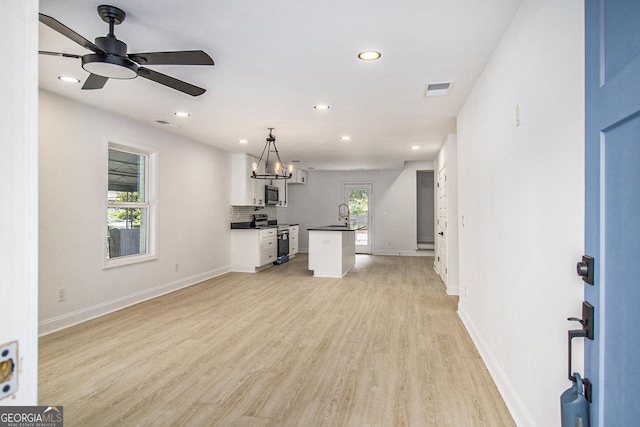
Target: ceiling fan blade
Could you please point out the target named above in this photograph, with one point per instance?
(68, 33)
(94, 81)
(182, 57)
(171, 82)
(64, 55)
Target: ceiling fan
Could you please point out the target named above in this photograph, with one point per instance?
(110, 59)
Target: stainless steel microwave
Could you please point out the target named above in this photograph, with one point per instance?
(271, 195)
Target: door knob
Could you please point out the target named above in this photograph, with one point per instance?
(587, 331)
(584, 269)
(587, 320)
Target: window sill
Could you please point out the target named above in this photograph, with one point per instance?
(128, 260)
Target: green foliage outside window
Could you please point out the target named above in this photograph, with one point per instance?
(358, 202)
(131, 216)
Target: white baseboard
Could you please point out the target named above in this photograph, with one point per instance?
(66, 320)
(405, 253)
(516, 406)
(454, 290)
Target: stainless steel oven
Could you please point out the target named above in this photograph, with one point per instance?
(283, 241)
(283, 244)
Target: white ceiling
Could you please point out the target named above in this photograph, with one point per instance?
(276, 59)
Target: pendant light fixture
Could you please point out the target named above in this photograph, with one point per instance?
(263, 163)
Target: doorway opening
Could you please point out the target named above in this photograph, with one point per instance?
(425, 198)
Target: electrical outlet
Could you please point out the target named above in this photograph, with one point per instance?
(62, 294)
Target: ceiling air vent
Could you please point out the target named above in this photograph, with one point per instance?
(437, 89)
(166, 123)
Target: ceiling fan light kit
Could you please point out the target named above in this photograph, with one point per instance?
(110, 59)
(110, 66)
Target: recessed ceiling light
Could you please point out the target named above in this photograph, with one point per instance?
(345, 138)
(243, 141)
(321, 107)
(182, 114)
(415, 147)
(369, 55)
(68, 79)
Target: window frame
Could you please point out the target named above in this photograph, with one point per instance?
(150, 177)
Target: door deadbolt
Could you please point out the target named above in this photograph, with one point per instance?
(584, 269)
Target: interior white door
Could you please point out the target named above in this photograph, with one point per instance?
(441, 225)
(359, 198)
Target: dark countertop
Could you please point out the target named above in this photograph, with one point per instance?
(336, 228)
(252, 226)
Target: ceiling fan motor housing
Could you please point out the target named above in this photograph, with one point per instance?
(110, 44)
(114, 63)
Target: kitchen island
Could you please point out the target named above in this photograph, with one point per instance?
(332, 250)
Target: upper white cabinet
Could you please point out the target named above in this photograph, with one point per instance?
(299, 177)
(282, 191)
(245, 191)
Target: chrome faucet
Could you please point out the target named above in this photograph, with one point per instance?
(342, 215)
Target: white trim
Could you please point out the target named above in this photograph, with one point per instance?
(424, 253)
(516, 406)
(54, 324)
(245, 269)
(128, 260)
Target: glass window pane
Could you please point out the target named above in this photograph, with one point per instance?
(126, 176)
(359, 209)
(126, 231)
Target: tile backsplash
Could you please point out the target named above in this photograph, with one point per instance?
(244, 213)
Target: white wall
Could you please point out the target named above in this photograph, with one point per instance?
(193, 213)
(395, 208)
(521, 192)
(19, 192)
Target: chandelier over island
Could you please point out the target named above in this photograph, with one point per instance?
(263, 163)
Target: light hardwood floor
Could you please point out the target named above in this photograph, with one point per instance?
(381, 347)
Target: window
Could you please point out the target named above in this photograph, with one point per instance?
(130, 205)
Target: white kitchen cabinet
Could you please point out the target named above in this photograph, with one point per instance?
(253, 250)
(258, 184)
(299, 176)
(282, 191)
(293, 239)
(245, 191)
